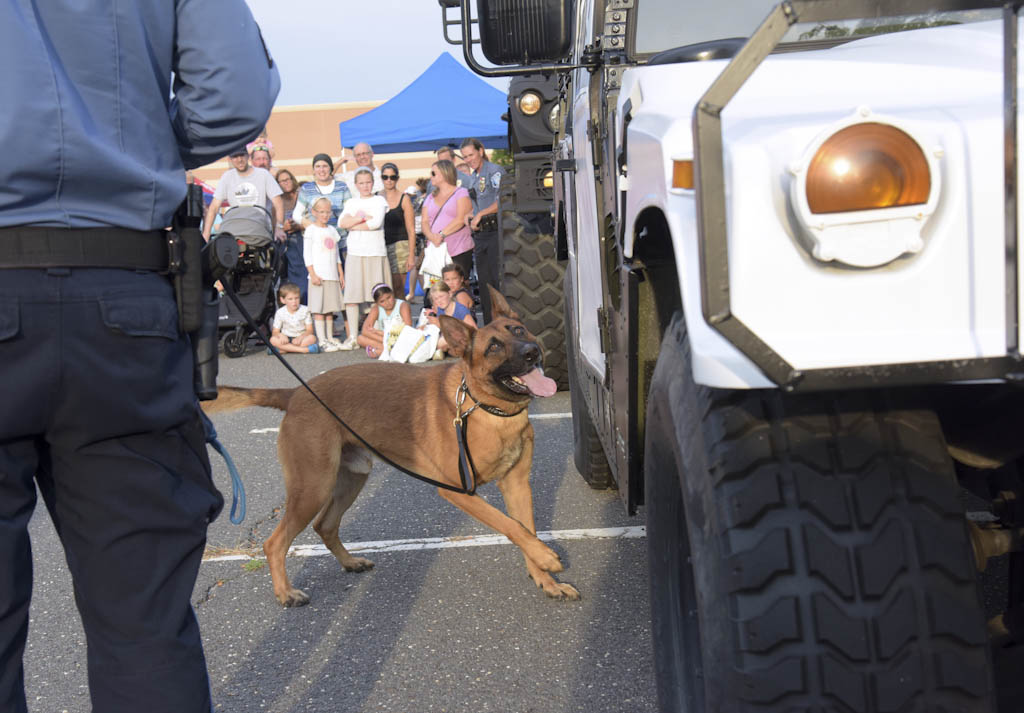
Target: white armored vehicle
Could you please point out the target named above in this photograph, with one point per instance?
(793, 333)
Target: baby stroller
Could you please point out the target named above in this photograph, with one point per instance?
(254, 278)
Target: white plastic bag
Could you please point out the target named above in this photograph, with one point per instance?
(409, 338)
(425, 351)
(401, 341)
(435, 257)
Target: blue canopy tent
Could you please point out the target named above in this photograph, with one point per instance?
(444, 105)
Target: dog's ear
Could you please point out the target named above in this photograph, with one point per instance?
(457, 333)
(499, 305)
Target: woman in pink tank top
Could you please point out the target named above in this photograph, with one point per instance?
(445, 212)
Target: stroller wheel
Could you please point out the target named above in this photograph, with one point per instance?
(235, 342)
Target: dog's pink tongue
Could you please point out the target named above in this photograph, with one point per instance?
(538, 384)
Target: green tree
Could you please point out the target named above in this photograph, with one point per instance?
(502, 157)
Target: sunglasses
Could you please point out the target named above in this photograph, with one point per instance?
(433, 173)
(389, 177)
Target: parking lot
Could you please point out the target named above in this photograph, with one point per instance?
(446, 621)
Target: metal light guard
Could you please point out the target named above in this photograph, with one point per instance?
(446, 23)
(711, 207)
(466, 21)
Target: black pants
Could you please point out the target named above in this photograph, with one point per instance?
(488, 267)
(99, 411)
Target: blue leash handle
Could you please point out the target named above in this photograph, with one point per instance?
(237, 488)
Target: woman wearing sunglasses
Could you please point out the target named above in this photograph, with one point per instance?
(399, 228)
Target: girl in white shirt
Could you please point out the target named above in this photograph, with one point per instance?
(367, 257)
(326, 273)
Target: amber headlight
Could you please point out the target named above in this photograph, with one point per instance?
(529, 103)
(867, 166)
(864, 190)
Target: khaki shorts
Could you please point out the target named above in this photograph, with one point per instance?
(398, 254)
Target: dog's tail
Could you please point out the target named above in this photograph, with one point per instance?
(232, 398)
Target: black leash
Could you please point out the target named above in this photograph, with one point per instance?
(467, 471)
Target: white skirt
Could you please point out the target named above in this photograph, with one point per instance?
(362, 273)
(325, 298)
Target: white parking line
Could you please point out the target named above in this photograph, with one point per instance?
(533, 417)
(441, 543)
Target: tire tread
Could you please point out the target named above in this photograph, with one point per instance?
(892, 604)
(531, 281)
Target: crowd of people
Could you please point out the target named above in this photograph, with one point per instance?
(353, 242)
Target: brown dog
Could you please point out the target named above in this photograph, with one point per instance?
(325, 467)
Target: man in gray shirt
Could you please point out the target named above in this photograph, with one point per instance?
(246, 185)
(483, 191)
(364, 159)
(99, 411)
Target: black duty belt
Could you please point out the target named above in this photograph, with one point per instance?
(22, 247)
(487, 224)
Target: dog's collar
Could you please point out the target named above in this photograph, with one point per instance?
(460, 396)
(467, 471)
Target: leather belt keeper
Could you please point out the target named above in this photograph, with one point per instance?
(33, 247)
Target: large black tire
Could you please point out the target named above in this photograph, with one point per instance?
(532, 283)
(588, 455)
(806, 553)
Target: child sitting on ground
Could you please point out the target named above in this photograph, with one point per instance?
(293, 325)
(382, 315)
(455, 277)
(326, 274)
(442, 303)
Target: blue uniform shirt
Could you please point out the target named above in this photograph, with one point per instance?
(464, 180)
(485, 183)
(96, 134)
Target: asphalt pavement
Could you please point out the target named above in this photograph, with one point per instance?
(447, 620)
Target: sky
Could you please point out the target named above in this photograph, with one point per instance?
(331, 51)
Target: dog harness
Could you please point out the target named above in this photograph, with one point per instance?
(467, 472)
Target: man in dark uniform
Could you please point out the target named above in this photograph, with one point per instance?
(99, 409)
(485, 181)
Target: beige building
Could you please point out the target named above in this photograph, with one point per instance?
(300, 132)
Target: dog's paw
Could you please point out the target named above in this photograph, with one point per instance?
(357, 564)
(554, 588)
(546, 558)
(561, 590)
(293, 598)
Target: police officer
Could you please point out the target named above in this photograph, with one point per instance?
(99, 409)
(485, 180)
